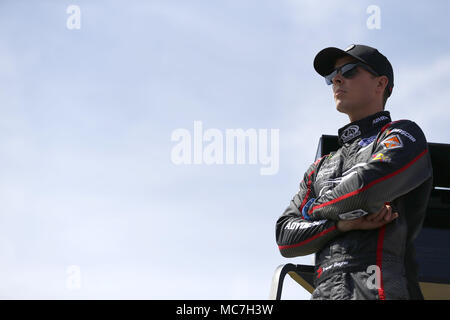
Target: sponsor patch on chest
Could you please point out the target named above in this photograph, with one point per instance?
(350, 133)
(366, 141)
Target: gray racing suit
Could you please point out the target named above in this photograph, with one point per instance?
(379, 162)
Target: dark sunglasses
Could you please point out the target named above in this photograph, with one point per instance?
(348, 71)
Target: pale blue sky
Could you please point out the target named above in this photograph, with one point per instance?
(86, 118)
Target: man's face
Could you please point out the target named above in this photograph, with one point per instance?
(353, 95)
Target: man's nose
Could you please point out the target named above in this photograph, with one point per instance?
(337, 78)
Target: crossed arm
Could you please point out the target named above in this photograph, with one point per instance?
(310, 222)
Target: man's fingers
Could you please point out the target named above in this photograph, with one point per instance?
(374, 216)
(371, 221)
(385, 215)
(394, 215)
(381, 214)
(388, 216)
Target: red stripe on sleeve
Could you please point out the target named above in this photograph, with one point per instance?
(345, 196)
(307, 240)
(305, 199)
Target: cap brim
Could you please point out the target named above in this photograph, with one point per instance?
(326, 58)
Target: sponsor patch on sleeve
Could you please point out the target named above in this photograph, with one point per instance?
(380, 157)
(406, 134)
(392, 142)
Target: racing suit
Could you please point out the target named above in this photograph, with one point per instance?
(379, 162)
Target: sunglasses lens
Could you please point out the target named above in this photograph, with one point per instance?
(350, 72)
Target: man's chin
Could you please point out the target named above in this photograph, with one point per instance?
(341, 107)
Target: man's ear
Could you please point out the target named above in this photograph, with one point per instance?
(382, 82)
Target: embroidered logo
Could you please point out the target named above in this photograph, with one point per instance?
(350, 133)
(379, 119)
(381, 157)
(319, 272)
(366, 141)
(392, 142)
(321, 269)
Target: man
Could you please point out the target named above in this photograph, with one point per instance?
(360, 208)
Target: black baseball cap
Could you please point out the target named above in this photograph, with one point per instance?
(326, 58)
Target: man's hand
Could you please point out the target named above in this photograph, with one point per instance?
(370, 221)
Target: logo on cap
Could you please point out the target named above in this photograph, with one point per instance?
(350, 47)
